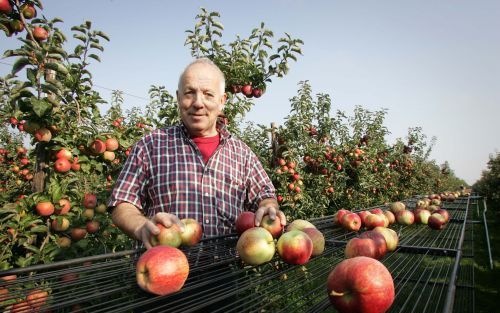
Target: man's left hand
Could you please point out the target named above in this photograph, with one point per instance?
(270, 209)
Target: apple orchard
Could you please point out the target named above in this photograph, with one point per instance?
(60, 155)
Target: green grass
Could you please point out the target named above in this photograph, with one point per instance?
(487, 281)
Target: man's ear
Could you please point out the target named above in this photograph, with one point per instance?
(223, 101)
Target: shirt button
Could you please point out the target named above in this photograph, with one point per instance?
(207, 221)
(207, 194)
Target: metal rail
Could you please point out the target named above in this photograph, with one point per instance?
(487, 234)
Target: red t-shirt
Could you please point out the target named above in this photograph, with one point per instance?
(207, 145)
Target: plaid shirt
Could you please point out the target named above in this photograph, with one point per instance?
(165, 172)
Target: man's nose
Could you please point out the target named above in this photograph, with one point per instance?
(198, 100)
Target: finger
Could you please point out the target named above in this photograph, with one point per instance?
(259, 214)
(282, 217)
(151, 228)
(271, 211)
(146, 238)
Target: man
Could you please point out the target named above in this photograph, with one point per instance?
(196, 169)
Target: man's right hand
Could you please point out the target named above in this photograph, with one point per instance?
(149, 229)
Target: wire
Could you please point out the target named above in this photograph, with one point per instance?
(98, 86)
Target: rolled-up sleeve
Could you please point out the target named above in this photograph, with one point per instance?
(132, 181)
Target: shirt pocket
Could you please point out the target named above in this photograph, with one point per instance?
(230, 199)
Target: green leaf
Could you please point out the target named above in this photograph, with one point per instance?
(102, 35)
(48, 88)
(39, 229)
(95, 57)
(96, 46)
(218, 25)
(58, 67)
(19, 65)
(79, 29)
(88, 24)
(31, 75)
(57, 20)
(274, 56)
(32, 248)
(40, 107)
(80, 37)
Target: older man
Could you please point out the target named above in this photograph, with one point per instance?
(196, 169)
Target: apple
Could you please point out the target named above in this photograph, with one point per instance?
(436, 202)
(247, 90)
(28, 11)
(421, 204)
(436, 221)
(109, 155)
(97, 147)
(192, 232)
(5, 7)
(112, 144)
(256, 246)
(60, 224)
(397, 206)
(36, 299)
(62, 165)
(444, 213)
(244, 221)
(274, 227)
(88, 214)
(89, 201)
(299, 225)
(63, 242)
(295, 247)
(337, 217)
(168, 236)
(75, 166)
(78, 233)
(391, 237)
(101, 208)
(257, 93)
(432, 208)
(162, 270)
(64, 206)
(390, 217)
(318, 240)
(379, 240)
(22, 306)
(44, 208)
(421, 216)
(64, 154)
(360, 247)
(405, 217)
(360, 284)
(92, 227)
(43, 135)
(362, 215)
(374, 220)
(351, 221)
(376, 211)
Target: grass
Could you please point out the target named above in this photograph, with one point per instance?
(487, 281)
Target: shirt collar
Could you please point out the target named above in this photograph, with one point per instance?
(220, 126)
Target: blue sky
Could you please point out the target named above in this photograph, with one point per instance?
(432, 64)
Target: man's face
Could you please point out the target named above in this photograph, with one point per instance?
(200, 100)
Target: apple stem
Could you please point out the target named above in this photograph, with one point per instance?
(336, 294)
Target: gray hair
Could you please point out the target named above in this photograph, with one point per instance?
(205, 61)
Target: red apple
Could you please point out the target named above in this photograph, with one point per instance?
(170, 236)
(109, 155)
(295, 247)
(361, 247)
(5, 7)
(318, 240)
(360, 284)
(362, 216)
(244, 221)
(405, 217)
(62, 165)
(64, 154)
(337, 217)
(75, 166)
(92, 227)
(391, 237)
(36, 299)
(112, 144)
(351, 221)
(436, 221)
(89, 201)
(444, 213)
(380, 243)
(45, 208)
(421, 216)
(376, 211)
(78, 233)
(299, 225)
(97, 147)
(40, 33)
(374, 220)
(256, 246)
(192, 232)
(162, 270)
(274, 227)
(64, 206)
(43, 135)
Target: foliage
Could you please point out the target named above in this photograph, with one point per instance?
(489, 183)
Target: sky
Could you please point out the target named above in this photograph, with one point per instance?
(431, 64)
